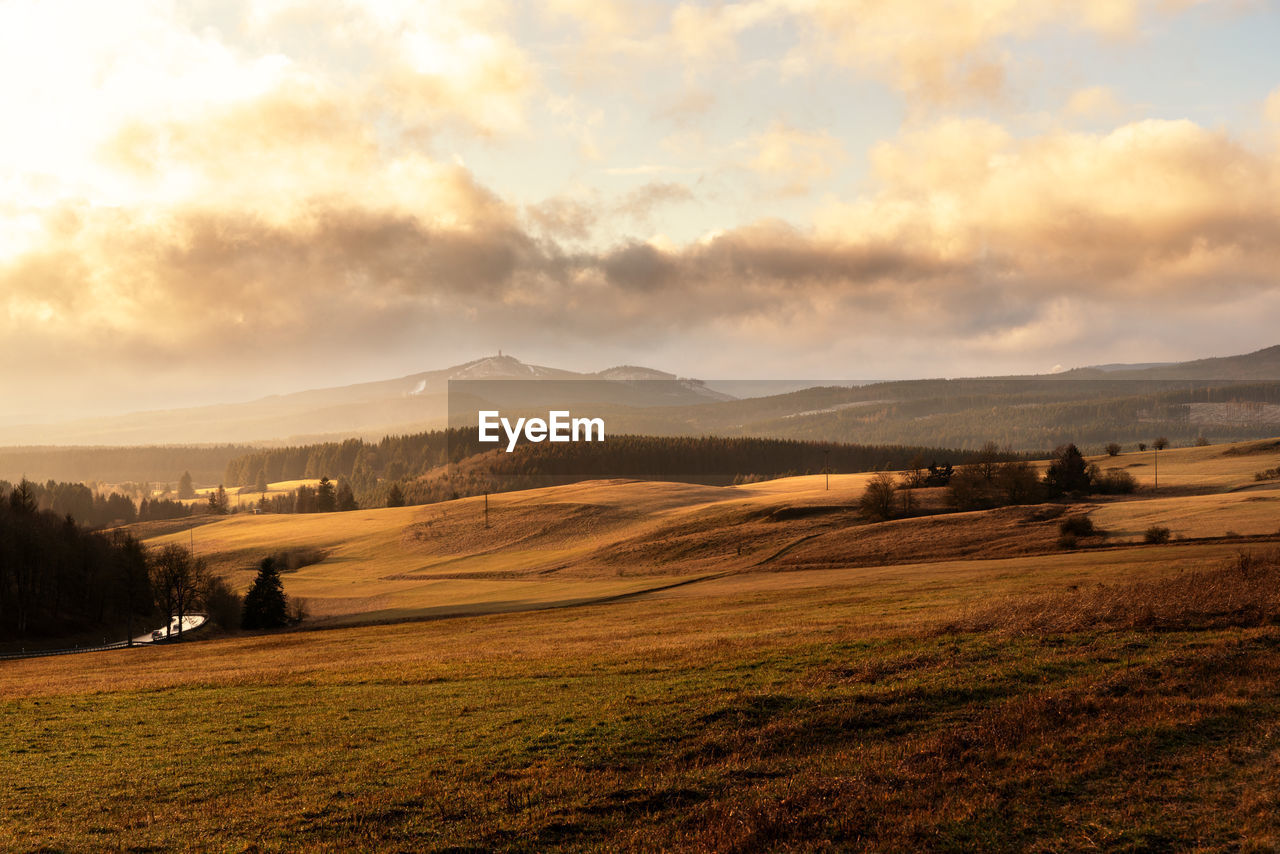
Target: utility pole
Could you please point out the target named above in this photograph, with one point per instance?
(826, 469)
(486, 509)
(1156, 448)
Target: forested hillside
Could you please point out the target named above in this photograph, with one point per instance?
(96, 509)
(57, 577)
(1024, 414)
(446, 464)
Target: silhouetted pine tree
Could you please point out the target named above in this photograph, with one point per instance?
(326, 502)
(265, 605)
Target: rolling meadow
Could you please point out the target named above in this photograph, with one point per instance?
(649, 666)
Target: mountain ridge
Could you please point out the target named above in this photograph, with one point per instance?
(408, 403)
(419, 401)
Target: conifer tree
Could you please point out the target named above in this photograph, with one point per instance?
(346, 499)
(265, 605)
(1068, 472)
(326, 502)
(218, 503)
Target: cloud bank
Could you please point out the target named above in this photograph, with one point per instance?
(270, 208)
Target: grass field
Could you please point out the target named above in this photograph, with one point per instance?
(236, 498)
(713, 720)
(571, 544)
(813, 683)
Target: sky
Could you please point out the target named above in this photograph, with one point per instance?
(214, 201)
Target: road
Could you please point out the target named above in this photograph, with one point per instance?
(189, 622)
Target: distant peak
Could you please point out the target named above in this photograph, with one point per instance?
(634, 372)
(506, 367)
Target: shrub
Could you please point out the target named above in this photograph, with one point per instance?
(1113, 449)
(969, 489)
(939, 475)
(1018, 482)
(291, 560)
(1115, 482)
(983, 485)
(222, 604)
(1156, 534)
(876, 502)
(298, 609)
(1068, 472)
(1079, 526)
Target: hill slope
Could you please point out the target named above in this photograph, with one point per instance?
(598, 539)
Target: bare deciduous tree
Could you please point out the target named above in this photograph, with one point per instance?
(876, 502)
(178, 579)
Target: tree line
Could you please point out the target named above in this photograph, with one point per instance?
(324, 497)
(995, 478)
(59, 578)
(441, 465)
(96, 510)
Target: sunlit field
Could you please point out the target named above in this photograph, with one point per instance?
(249, 497)
(646, 666)
(570, 544)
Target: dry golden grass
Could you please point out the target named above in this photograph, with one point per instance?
(701, 720)
(570, 544)
(1241, 591)
(545, 546)
(795, 692)
(250, 499)
(1248, 512)
(1210, 467)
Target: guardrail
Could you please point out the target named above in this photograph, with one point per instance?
(124, 644)
(40, 653)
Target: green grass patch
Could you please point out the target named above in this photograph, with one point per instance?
(1124, 740)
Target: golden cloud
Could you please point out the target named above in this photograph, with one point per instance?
(969, 229)
(794, 160)
(303, 201)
